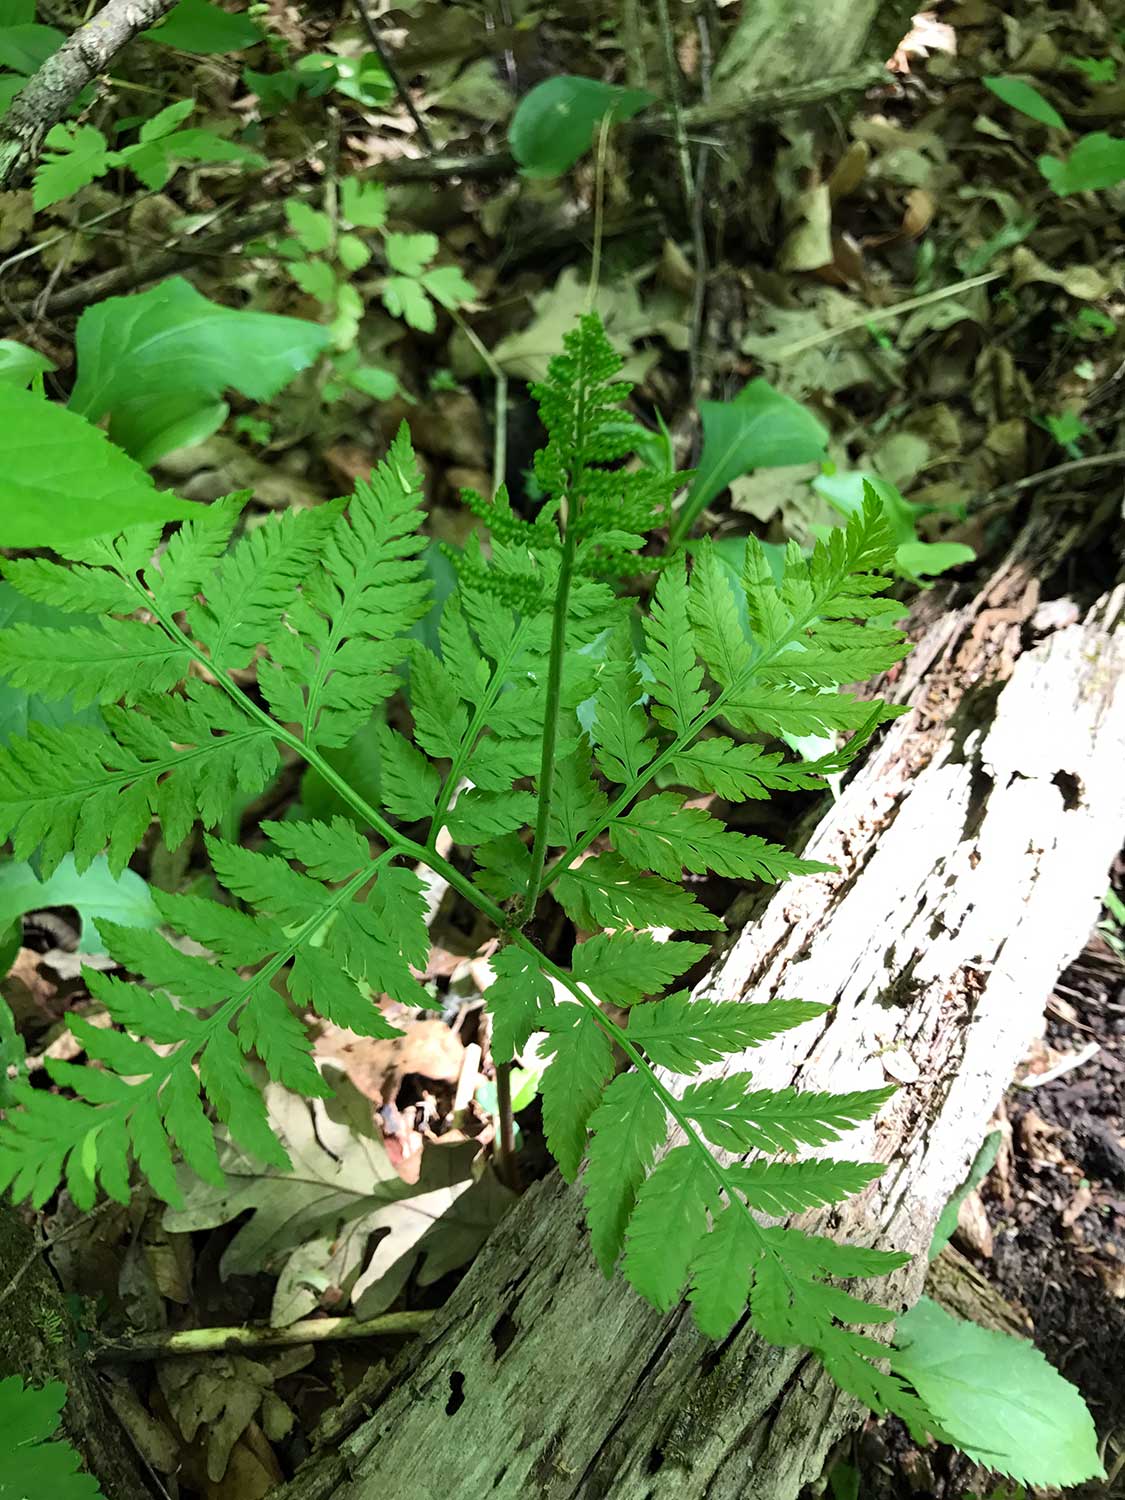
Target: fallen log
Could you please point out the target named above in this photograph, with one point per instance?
(972, 850)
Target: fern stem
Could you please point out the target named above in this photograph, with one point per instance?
(550, 726)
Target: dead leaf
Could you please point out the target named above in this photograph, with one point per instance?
(377, 1067)
(219, 1395)
(808, 244)
(312, 1227)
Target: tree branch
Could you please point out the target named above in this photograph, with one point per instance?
(48, 94)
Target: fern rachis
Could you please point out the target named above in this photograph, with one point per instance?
(533, 633)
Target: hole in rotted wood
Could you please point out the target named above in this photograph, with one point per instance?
(504, 1331)
(456, 1393)
(1070, 787)
(655, 1461)
(499, 1477)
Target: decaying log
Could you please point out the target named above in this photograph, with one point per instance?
(972, 850)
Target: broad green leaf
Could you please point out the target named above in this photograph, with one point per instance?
(310, 225)
(198, 26)
(94, 894)
(760, 429)
(1097, 161)
(997, 1398)
(449, 286)
(554, 124)
(64, 480)
(25, 47)
(19, 365)
(1019, 94)
(136, 352)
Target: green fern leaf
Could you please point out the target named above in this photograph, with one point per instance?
(80, 590)
(667, 1226)
(256, 582)
(782, 1187)
(31, 1464)
(621, 726)
(478, 816)
(677, 683)
(187, 563)
(408, 783)
(628, 1127)
(623, 967)
(607, 892)
(519, 999)
(718, 632)
(328, 851)
(774, 1120)
(662, 834)
(572, 1085)
(683, 1034)
(440, 717)
(578, 802)
(722, 1271)
(119, 659)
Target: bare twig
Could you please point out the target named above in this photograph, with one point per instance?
(393, 74)
(136, 1348)
(674, 81)
(49, 93)
(1115, 459)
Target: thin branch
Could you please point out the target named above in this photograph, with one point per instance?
(394, 75)
(49, 93)
(135, 1348)
(674, 81)
(1116, 459)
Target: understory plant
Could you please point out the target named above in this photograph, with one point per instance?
(539, 734)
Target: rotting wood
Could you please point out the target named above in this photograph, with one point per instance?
(972, 849)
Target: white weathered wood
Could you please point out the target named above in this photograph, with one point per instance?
(972, 850)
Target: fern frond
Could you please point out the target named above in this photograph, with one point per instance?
(736, 1118)
(623, 967)
(628, 1127)
(572, 1085)
(682, 1034)
(82, 790)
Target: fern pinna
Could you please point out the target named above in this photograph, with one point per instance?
(539, 734)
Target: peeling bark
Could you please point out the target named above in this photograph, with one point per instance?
(972, 850)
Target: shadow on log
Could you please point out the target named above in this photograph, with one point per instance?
(972, 850)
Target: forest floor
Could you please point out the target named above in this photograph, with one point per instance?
(847, 261)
